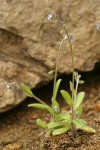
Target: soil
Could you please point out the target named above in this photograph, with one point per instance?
(18, 129)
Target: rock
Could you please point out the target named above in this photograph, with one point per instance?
(28, 42)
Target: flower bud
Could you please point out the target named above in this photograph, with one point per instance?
(81, 81)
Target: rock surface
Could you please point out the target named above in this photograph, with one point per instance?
(28, 42)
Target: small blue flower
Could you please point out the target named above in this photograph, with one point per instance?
(8, 85)
(56, 109)
(65, 37)
(50, 16)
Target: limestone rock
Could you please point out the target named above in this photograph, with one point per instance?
(28, 42)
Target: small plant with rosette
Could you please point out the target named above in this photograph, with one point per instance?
(62, 122)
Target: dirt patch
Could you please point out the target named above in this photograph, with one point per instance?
(18, 129)
(69, 141)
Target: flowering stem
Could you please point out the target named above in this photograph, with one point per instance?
(57, 62)
(72, 58)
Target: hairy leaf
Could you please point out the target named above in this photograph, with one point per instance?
(55, 124)
(41, 123)
(60, 131)
(56, 89)
(27, 90)
(79, 111)
(79, 99)
(72, 87)
(79, 123)
(51, 72)
(88, 129)
(67, 97)
(41, 106)
(63, 116)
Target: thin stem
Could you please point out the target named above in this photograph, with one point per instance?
(39, 100)
(57, 62)
(72, 57)
(70, 45)
(76, 88)
(71, 49)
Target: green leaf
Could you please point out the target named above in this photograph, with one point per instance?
(67, 97)
(51, 72)
(60, 131)
(81, 82)
(79, 99)
(41, 123)
(72, 87)
(56, 89)
(27, 90)
(88, 129)
(37, 105)
(55, 124)
(63, 116)
(41, 106)
(79, 110)
(79, 123)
